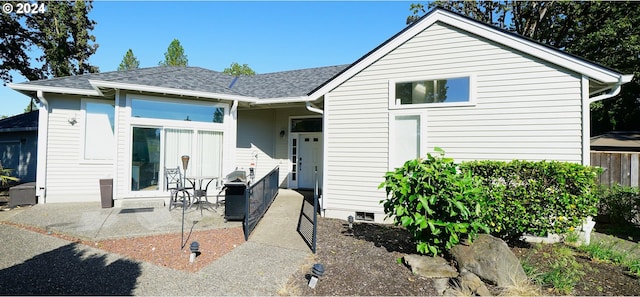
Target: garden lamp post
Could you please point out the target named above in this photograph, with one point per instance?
(185, 164)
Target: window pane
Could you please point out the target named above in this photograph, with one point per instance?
(177, 143)
(98, 137)
(210, 153)
(406, 139)
(176, 111)
(306, 125)
(433, 91)
(145, 159)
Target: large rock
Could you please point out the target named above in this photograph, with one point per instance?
(430, 267)
(491, 259)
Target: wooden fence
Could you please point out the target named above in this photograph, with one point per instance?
(618, 167)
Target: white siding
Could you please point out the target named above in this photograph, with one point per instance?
(259, 132)
(524, 109)
(69, 179)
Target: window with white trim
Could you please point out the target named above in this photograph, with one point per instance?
(99, 138)
(432, 91)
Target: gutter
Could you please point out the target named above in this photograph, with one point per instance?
(43, 133)
(615, 90)
(313, 108)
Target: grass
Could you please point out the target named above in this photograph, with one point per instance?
(559, 271)
(607, 252)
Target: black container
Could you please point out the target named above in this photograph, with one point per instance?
(106, 193)
(235, 201)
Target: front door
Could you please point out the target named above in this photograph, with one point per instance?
(309, 160)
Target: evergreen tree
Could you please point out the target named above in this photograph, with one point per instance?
(129, 62)
(174, 56)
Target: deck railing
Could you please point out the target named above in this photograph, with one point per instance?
(259, 197)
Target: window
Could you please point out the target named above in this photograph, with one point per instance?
(176, 111)
(450, 90)
(406, 139)
(145, 158)
(306, 125)
(98, 130)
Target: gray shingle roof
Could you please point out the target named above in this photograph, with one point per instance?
(22, 122)
(269, 85)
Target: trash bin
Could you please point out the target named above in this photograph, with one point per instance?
(235, 201)
(22, 194)
(106, 193)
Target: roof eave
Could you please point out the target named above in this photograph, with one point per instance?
(50, 89)
(518, 43)
(170, 91)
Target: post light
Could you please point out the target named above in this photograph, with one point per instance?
(185, 162)
(350, 220)
(195, 250)
(316, 272)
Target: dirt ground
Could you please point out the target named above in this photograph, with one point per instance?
(366, 264)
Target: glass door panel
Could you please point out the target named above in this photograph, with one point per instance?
(145, 159)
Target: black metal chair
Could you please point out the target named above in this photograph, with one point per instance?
(180, 195)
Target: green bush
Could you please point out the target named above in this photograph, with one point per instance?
(536, 198)
(434, 201)
(619, 204)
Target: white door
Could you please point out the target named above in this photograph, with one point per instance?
(309, 160)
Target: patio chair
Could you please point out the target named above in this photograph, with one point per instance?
(174, 184)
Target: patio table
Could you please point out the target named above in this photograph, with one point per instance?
(201, 185)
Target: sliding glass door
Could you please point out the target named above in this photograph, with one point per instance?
(204, 148)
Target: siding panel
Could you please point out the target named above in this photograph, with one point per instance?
(524, 109)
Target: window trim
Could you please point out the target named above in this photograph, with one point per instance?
(83, 118)
(392, 92)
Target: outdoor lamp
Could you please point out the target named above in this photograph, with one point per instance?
(195, 249)
(185, 162)
(316, 272)
(350, 220)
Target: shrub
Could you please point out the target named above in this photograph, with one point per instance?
(434, 201)
(619, 204)
(535, 198)
(5, 177)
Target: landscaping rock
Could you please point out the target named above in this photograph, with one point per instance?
(430, 267)
(441, 285)
(491, 259)
(473, 283)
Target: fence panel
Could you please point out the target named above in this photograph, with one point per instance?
(259, 197)
(618, 167)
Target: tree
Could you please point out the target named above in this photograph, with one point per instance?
(175, 55)
(61, 32)
(607, 33)
(31, 107)
(129, 62)
(237, 70)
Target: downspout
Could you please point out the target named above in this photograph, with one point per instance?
(586, 112)
(43, 133)
(312, 108)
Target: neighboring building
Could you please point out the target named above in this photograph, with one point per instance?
(449, 81)
(18, 145)
(621, 141)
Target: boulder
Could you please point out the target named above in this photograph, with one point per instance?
(472, 283)
(491, 259)
(430, 267)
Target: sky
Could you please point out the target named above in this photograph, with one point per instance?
(269, 36)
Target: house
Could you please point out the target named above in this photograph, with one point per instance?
(447, 80)
(18, 143)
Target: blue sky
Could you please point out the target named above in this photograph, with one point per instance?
(268, 36)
